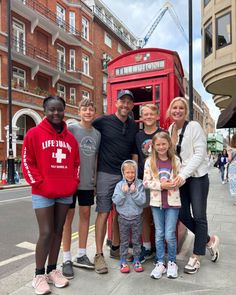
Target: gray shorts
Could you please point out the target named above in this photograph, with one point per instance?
(105, 188)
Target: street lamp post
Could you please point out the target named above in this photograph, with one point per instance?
(10, 159)
(190, 31)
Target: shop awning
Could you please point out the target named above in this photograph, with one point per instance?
(227, 118)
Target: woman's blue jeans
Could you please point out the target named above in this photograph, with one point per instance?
(165, 220)
(222, 171)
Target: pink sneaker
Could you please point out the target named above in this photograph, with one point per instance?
(56, 278)
(40, 284)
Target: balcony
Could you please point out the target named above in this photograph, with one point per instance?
(41, 61)
(113, 27)
(40, 15)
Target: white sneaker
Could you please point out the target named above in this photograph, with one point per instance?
(172, 270)
(192, 266)
(158, 271)
(214, 249)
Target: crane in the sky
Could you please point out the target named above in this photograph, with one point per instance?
(167, 6)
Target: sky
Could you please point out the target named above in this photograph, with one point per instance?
(139, 15)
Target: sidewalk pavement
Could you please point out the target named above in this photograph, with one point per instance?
(212, 278)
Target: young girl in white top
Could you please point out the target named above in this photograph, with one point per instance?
(159, 171)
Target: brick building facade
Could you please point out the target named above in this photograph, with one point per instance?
(58, 47)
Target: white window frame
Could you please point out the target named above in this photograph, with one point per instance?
(61, 16)
(72, 60)
(107, 39)
(104, 84)
(85, 28)
(61, 90)
(72, 95)
(85, 94)
(85, 64)
(19, 79)
(61, 58)
(18, 29)
(72, 22)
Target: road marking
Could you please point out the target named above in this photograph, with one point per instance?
(27, 245)
(17, 199)
(31, 246)
(15, 258)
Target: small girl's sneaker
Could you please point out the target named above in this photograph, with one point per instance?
(172, 270)
(124, 267)
(56, 278)
(158, 271)
(192, 266)
(40, 284)
(138, 266)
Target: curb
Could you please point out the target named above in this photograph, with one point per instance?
(8, 186)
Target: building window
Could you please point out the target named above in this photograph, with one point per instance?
(61, 16)
(208, 40)
(21, 124)
(85, 65)
(85, 94)
(223, 30)
(206, 2)
(61, 58)
(61, 90)
(119, 48)
(19, 78)
(72, 22)
(107, 40)
(85, 28)
(104, 105)
(72, 60)
(18, 29)
(72, 95)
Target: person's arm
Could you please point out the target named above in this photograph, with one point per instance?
(135, 157)
(29, 162)
(119, 196)
(199, 143)
(148, 180)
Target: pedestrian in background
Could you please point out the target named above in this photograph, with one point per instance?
(50, 165)
(191, 147)
(129, 198)
(222, 161)
(88, 139)
(160, 170)
(117, 145)
(232, 167)
(143, 140)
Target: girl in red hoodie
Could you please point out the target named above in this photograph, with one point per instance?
(50, 165)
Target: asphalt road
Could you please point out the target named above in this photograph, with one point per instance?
(19, 231)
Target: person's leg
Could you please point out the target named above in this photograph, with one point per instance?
(124, 226)
(159, 222)
(171, 217)
(100, 231)
(136, 234)
(146, 252)
(222, 169)
(115, 230)
(66, 237)
(59, 217)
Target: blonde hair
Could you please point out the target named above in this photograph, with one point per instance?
(129, 164)
(178, 98)
(233, 141)
(170, 153)
(151, 107)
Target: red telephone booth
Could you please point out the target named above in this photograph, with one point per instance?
(153, 75)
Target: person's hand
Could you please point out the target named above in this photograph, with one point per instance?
(125, 188)
(178, 181)
(132, 188)
(167, 184)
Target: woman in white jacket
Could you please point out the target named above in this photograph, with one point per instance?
(193, 155)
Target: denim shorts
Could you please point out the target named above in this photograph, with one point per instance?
(42, 202)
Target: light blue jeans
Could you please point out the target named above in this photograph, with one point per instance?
(165, 221)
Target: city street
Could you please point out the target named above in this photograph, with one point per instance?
(19, 230)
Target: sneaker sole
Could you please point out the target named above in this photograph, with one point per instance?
(191, 272)
(40, 293)
(76, 264)
(101, 271)
(155, 278)
(68, 277)
(171, 277)
(57, 285)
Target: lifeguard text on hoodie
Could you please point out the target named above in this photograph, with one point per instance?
(50, 161)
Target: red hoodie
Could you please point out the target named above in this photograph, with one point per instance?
(50, 161)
